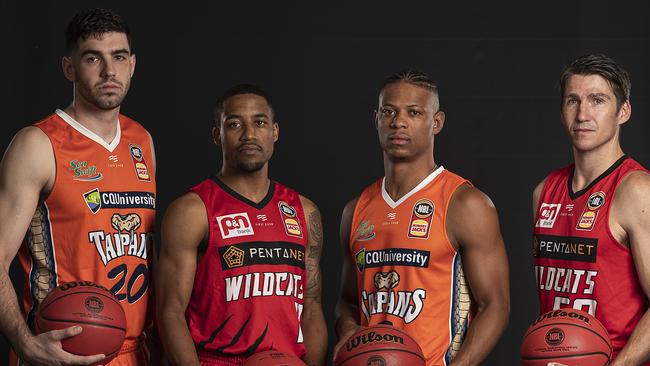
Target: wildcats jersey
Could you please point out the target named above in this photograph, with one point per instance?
(97, 222)
(408, 272)
(248, 288)
(578, 263)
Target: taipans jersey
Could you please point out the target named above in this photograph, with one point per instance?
(97, 222)
(408, 272)
(248, 287)
(578, 262)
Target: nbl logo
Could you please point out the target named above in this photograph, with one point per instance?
(547, 214)
(235, 225)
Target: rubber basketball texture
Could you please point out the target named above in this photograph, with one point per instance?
(568, 336)
(273, 358)
(380, 345)
(93, 308)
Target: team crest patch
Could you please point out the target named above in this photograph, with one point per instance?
(82, 171)
(365, 231)
(234, 225)
(290, 218)
(93, 200)
(421, 217)
(139, 163)
(590, 213)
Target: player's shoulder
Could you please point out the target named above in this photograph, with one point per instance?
(186, 204)
(129, 123)
(31, 140)
(634, 188)
(467, 198)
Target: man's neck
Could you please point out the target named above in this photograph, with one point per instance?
(402, 177)
(254, 186)
(100, 122)
(589, 165)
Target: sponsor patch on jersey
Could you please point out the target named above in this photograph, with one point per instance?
(93, 201)
(96, 200)
(139, 163)
(289, 216)
(391, 257)
(365, 231)
(262, 253)
(421, 217)
(548, 212)
(84, 172)
(566, 248)
(235, 225)
(590, 213)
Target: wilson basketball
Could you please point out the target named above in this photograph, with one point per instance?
(93, 308)
(568, 336)
(380, 345)
(273, 358)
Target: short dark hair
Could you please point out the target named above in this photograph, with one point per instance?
(599, 64)
(94, 23)
(238, 90)
(411, 76)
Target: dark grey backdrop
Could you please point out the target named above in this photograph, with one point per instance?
(497, 66)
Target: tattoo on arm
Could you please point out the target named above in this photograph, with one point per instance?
(312, 261)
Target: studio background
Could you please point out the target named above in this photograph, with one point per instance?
(497, 66)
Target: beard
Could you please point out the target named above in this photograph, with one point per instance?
(102, 101)
(250, 166)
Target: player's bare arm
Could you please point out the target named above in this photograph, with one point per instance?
(313, 320)
(347, 308)
(27, 173)
(184, 227)
(630, 224)
(473, 227)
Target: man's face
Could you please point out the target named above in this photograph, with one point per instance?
(589, 112)
(247, 132)
(101, 69)
(407, 119)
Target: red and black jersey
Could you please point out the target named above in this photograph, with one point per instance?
(248, 287)
(578, 262)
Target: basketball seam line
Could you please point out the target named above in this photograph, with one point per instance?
(565, 356)
(381, 350)
(82, 322)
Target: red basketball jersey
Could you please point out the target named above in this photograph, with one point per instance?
(248, 288)
(578, 262)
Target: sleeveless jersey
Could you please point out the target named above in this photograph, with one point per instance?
(248, 287)
(408, 272)
(578, 262)
(96, 224)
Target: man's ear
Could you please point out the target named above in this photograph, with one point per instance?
(438, 122)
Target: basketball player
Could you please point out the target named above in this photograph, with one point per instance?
(403, 240)
(592, 222)
(239, 262)
(79, 187)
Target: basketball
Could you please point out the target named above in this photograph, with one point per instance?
(273, 358)
(90, 306)
(380, 345)
(568, 336)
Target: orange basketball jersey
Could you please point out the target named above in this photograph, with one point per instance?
(97, 222)
(408, 272)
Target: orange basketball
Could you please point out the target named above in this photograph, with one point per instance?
(380, 345)
(273, 358)
(90, 306)
(568, 336)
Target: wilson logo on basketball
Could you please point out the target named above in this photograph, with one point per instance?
(554, 337)
(563, 313)
(372, 337)
(94, 304)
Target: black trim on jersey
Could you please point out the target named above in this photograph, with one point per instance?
(235, 339)
(258, 341)
(232, 192)
(214, 334)
(575, 195)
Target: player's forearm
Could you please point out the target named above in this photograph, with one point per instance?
(637, 350)
(315, 334)
(176, 339)
(346, 317)
(12, 323)
(483, 333)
